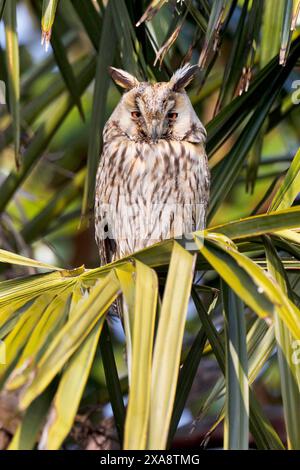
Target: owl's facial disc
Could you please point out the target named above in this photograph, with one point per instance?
(153, 111)
(150, 112)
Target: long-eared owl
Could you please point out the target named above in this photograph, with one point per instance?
(153, 179)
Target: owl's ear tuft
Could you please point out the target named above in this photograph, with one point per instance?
(123, 79)
(182, 77)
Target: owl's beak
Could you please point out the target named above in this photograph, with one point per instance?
(155, 130)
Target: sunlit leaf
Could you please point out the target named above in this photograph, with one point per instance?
(52, 319)
(71, 336)
(18, 337)
(264, 434)
(236, 426)
(13, 258)
(71, 386)
(271, 30)
(168, 345)
(239, 271)
(13, 70)
(286, 34)
(289, 369)
(260, 224)
(138, 410)
(152, 9)
(289, 189)
(68, 361)
(48, 16)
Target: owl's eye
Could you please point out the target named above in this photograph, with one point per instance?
(172, 116)
(135, 114)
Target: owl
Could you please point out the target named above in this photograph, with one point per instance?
(152, 182)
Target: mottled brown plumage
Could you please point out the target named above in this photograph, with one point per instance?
(153, 179)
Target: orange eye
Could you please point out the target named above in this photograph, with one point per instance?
(172, 116)
(135, 114)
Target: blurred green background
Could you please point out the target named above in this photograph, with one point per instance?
(43, 216)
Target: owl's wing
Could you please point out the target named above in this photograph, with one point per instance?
(106, 250)
(106, 245)
(204, 186)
